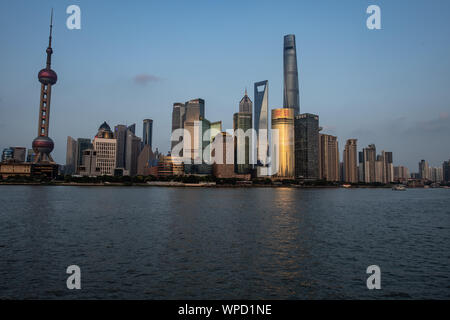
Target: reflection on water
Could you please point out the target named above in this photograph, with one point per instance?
(258, 243)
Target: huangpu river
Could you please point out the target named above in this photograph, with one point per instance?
(223, 243)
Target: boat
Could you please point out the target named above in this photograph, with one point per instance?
(399, 188)
(346, 185)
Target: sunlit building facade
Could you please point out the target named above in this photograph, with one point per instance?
(283, 152)
(328, 158)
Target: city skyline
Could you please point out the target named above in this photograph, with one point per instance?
(423, 134)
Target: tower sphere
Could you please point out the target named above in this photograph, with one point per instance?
(43, 145)
(47, 76)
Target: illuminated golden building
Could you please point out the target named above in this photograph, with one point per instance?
(169, 166)
(15, 169)
(283, 157)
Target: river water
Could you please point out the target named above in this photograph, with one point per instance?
(223, 243)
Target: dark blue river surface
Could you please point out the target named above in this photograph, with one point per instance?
(208, 243)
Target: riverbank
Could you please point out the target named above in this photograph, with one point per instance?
(175, 184)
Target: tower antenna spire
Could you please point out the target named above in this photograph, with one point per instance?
(49, 49)
(51, 28)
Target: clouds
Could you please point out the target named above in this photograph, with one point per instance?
(144, 79)
(436, 125)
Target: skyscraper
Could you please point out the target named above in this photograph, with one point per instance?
(261, 123)
(105, 146)
(350, 162)
(216, 128)
(446, 171)
(388, 167)
(283, 153)
(71, 156)
(367, 161)
(328, 157)
(193, 124)
(43, 145)
(307, 146)
(132, 150)
(246, 105)
(424, 170)
(178, 117)
(195, 109)
(242, 147)
(291, 93)
(147, 132)
(82, 144)
(401, 174)
(120, 134)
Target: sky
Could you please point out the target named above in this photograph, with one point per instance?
(132, 60)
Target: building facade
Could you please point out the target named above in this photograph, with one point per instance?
(283, 152)
(350, 161)
(71, 156)
(106, 148)
(147, 134)
(133, 148)
(306, 136)
(424, 170)
(328, 157)
(367, 161)
(291, 91)
(242, 122)
(261, 121)
(446, 171)
(89, 167)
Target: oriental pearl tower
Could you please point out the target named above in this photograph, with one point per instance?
(43, 145)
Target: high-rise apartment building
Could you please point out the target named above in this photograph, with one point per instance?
(328, 157)
(436, 174)
(367, 162)
(283, 162)
(291, 91)
(401, 174)
(388, 167)
(350, 161)
(379, 169)
(424, 170)
(306, 137)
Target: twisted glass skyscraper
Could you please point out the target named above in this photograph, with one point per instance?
(291, 95)
(261, 123)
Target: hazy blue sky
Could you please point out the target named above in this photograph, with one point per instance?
(133, 59)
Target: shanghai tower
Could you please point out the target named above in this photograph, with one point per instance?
(291, 95)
